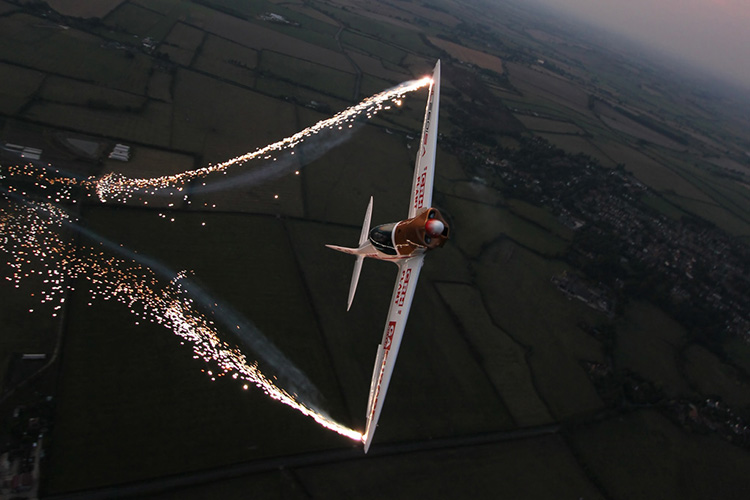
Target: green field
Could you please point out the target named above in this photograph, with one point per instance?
(643, 455)
(326, 80)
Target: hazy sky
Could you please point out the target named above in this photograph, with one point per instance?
(714, 34)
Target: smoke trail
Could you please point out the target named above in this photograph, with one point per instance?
(307, 152)
(30, 230)
(117, 187)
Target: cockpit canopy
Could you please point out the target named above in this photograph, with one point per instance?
(381, 238)
(425, 231)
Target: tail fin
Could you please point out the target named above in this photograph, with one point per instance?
(355, 280)
(363, 243)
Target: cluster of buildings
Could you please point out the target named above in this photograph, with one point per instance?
(121, 152)
(19, 465)
(626, 390)
(276, 18)
(688, 266)
(24, 151)
(596, 296)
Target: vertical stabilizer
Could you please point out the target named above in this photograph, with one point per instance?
(355, 280)
(360, 257)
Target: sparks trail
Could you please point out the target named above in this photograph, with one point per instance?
(120, 188)
(30, 235)
(53, 185)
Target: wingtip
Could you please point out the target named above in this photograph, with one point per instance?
(366, 441)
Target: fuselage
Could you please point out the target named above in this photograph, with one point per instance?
(407, 238)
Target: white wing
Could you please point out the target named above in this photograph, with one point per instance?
(403, 293)
(424, 168)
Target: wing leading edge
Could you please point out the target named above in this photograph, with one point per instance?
(424, 168)
(403, 293)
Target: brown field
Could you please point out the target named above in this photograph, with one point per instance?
(538, 124)
(76, 8)
(466, 54)
(258, 37)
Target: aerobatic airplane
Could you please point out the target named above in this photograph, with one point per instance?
(405, 244)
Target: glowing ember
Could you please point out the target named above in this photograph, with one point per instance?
(120, 188)
(30, 235)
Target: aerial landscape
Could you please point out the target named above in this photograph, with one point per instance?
(173, 325)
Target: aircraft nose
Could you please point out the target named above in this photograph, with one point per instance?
(434, 227)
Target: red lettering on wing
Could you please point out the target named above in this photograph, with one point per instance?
(419, 191)
(389, 335)
(403, 285)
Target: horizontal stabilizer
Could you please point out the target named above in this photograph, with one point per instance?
(352, 251)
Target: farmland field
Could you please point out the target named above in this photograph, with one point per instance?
(506, 380)
(84, 9)
(462, 53)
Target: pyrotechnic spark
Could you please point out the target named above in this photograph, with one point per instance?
(30, 235)
(117, 187)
